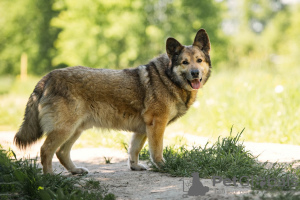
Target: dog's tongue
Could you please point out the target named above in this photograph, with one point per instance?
(195, 84)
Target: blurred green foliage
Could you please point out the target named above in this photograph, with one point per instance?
(126, 33)
(26, 28)
(260, 38)
(267, 35)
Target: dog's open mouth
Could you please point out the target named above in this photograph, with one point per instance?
(195, 83)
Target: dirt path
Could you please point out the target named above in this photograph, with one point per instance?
(127, 184)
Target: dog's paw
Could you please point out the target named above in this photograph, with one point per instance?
(138, 167)
(160, 164)
(135, 166)
(79, 170)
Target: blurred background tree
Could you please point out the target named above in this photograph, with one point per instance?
(106, 34)
(255, 55)
(264, 34)
(119, 34)
(26, 28)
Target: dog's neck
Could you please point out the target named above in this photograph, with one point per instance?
(174, 85)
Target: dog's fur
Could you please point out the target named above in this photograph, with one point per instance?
(143, 100)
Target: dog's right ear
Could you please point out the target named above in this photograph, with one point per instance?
(202, 41)
(173, 47)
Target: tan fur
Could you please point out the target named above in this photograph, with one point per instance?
(143, 100)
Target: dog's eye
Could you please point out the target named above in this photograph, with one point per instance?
(185, 62)
(199, 60)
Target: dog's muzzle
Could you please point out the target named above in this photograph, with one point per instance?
(195, 83)
(195, 73)
(194, 79)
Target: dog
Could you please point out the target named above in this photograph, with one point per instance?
(143, 100)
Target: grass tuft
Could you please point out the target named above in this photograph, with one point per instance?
(226, 158)
(107, 160)
(22, 179)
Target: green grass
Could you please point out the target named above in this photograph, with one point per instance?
(6, 82)
(22, 179)
(274, 196)
(107, 160)
(245, 98)
(102, 138)
(226, 158)
(14, 95)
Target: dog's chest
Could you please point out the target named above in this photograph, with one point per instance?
(176, 111)
(179, 108)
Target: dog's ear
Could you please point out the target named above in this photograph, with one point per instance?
(202, 41)
(173, 47)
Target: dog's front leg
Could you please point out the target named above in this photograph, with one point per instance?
(155, 134)
(137, 142)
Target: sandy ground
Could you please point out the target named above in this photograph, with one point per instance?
(127, 184)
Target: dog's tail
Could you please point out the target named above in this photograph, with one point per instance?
(30, 130)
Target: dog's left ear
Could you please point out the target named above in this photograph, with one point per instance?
(202, 41)
(173, 47)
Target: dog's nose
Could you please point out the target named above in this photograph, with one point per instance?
(195, 73)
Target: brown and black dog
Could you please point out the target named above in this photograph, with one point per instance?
(143, 100)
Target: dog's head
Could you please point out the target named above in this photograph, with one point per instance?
(190, 64)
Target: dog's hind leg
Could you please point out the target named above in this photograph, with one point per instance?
(54, 139)
(137, 142)
(63, 154)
